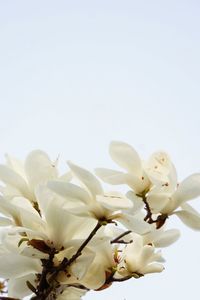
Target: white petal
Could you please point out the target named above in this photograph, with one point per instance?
(157, 202)
(189, 208)
(81, 265)
(126, 157)
(95, 277)
(5, 221)
(146, 254)
(114, 201)
(39, 168)
(72, 293)
(14, 265)
(16, 165)
(166, 238)
(160, 168)
(111, 176)
(188, 189)
(69, 191)
(190, 219)
(10, 177)
(138, 204)
(66, 177)
(68, 225)
(17, 288)
(153, 268)
(87, 178)
(134, 223)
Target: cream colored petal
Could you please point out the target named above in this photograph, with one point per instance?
(126, 157)
(188, 189)
(157, 202)
(16, 165)
(17, 288)
(138, 204)
(81, 265)
(72, 293)
(95, 277)
(160, 169)
(87, 179)
(166, 238)
(39, 168)
(111, 176)
(5, 221)
(189, 208)
(114, 201)
(152, 268)
(13, 265)
(10, 177)
(69, 191)
(67, 177)
(190, 219)
(133, 223)
(146, 254)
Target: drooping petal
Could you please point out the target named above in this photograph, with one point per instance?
(190, 219)
(81, 265)
(188, 207)
(14, 265)
(16, 165)
(92, 281)
(133, 223)
(146, 254)
(138, 204)
(157, 202)
(72, 293)
(114, 201)
(66, 177)
(153, 268)
(17, 287)
(87, 179)
(39, 168)
(10, 177)
(111, 176)
(166, 238)
(5, 221)
(126, 157)
(188, 189)
(69, 191)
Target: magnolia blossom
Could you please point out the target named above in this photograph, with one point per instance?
(139, 259)
(21, 179)
(94, 202)
(139, 175)
(172, 198)
(61, 236)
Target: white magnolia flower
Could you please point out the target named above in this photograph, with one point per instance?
(92, 201)
(139, 259)
(51, 219)
(16, 267)
(22, 179)
(139, 175)
(172, 196)
(102, 266)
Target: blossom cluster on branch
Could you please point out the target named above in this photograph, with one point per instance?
(63, 235)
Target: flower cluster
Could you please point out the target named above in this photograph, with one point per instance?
(63, 235)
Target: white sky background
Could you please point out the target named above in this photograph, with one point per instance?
(76, 74)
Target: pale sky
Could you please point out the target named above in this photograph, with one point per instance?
(75, 75)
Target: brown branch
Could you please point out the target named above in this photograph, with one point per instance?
(160, 220)
(117, 239)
